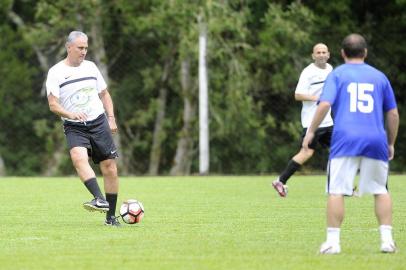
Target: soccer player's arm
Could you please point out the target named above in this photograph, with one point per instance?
(318, 117)
(302, 89)
(304, 97)
(106, 99)
(53, 89)
(56, 108)
(392, 126)
(109, 108)
(107, 103)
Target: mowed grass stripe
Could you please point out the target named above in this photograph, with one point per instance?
(190, 223)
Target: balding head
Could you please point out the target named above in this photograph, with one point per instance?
(320, 55)
(354, 46)
(320, 46)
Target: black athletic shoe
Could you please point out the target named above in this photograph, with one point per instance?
(97, 204)
(112, 221)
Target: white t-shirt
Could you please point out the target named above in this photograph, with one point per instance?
(311, 82)
(77, 88)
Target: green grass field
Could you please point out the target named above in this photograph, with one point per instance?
(191, 223)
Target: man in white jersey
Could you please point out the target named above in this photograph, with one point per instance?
(362, 100)
(308, 91)
(78, 94)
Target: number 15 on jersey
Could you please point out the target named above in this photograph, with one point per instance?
(361, 99)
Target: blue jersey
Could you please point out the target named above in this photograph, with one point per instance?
(359, 95)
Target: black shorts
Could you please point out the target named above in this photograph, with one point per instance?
(94, 135)
(322, 137)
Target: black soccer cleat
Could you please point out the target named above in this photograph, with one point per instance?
(112, 221)
(97, 204)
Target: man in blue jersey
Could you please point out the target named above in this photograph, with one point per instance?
(362, 100)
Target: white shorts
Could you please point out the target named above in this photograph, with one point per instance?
(341, 174)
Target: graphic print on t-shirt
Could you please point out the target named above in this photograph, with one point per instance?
(81, 98)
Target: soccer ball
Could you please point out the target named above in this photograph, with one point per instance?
(132, 211)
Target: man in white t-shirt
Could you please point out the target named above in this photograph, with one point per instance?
(308, 91)
(77, 93)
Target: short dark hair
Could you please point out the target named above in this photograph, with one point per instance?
(354, 46)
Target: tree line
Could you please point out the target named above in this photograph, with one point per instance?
(147, 51)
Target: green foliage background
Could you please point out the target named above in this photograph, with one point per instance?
(256, 51)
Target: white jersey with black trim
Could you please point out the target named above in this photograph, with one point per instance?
(77, 88)
(311, 82)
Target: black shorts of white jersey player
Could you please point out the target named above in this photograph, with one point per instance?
(322, 136)
(94, 135)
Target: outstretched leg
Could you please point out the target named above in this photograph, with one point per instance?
(86, 174)
(293, 165)
(108, 168)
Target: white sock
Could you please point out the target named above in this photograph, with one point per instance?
(386, 233)
(333, 235)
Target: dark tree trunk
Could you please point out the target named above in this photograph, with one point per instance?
(184, 152)
(2, 167)
(155, 154)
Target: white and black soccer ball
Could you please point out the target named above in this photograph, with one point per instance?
(132, 211)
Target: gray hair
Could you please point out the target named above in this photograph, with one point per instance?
(74, 35)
